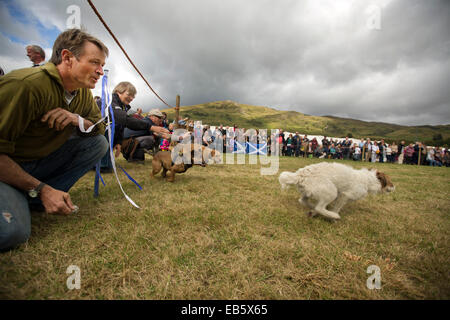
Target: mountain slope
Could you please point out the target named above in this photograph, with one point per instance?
(229, 113)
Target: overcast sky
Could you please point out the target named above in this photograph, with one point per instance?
(374, 60)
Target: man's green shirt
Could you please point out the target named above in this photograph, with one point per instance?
(26, 95)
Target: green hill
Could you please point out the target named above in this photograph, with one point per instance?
(230, 113)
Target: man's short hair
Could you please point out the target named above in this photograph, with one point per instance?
(37, 49)
(125, 86)
(74, 40)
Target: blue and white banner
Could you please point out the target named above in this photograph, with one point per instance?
(240, 147)
(108, 113)
(257, 149)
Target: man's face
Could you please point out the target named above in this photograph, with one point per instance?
(156, 120)
(33, 56)
(88, 68)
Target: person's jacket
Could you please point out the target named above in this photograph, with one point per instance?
(128, 133)
(409, 151)
(28, 94)
(122, 120)
(289, 141)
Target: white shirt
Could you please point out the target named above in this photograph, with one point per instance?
(388, 151)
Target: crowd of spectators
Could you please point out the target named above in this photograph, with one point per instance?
(363, 150)
(296, 145)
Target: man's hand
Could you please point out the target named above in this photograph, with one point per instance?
(59, 118)
(117, 148)
(163, 134)
(56, 201)
(167, 136)
(159, 130)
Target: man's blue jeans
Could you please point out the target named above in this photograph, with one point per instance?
(60, 170)
(106, 160)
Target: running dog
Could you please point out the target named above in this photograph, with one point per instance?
(323, 183)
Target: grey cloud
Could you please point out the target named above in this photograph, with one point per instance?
(313, 57)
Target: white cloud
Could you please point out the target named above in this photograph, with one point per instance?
(11, 26)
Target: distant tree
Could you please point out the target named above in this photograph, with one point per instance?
(350, 135)
(437, 137)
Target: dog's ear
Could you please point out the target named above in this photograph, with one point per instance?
(287, 178)
(383, 179)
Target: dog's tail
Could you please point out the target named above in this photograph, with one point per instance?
(287, 178)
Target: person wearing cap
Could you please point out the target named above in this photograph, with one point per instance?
(146, 141)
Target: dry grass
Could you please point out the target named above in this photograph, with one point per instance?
(226, 232)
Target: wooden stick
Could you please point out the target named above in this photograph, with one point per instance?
(420, 152)
(177, 112)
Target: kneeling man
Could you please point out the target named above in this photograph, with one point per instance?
(43, 152)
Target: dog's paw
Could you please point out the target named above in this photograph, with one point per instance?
(336, 218)
(311, 214)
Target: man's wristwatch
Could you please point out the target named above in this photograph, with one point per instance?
(34, 193)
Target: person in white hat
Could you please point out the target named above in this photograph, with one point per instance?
(147, 141)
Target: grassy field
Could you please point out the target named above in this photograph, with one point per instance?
(226, 232)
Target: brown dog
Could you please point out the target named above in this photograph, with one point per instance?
(163, 160)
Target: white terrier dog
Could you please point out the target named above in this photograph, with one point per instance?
(322, 183)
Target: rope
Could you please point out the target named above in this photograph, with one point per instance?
(123, 50)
